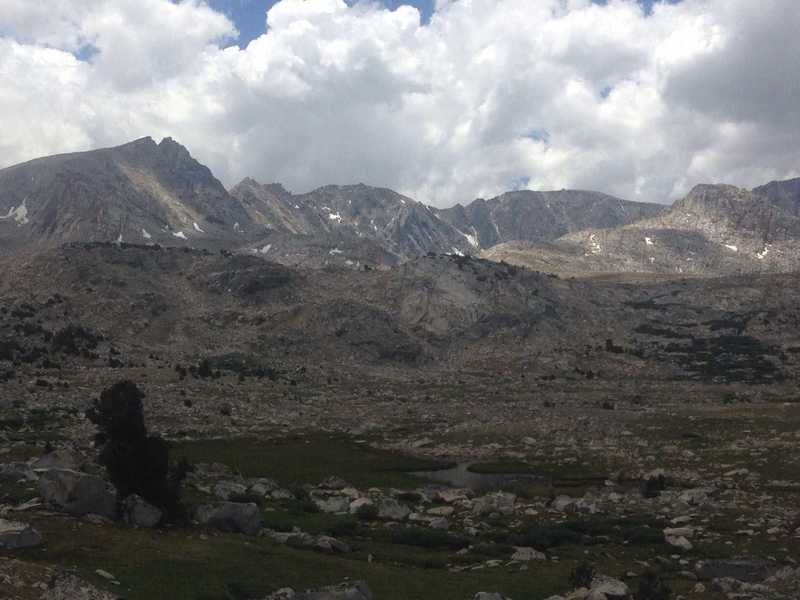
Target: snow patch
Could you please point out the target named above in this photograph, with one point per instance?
(266, 249)
(472, 239)
(18, 213)
(596, 248)
(649, 241)
(119, 239)
(335, 251)
(335, 217)
(763, 254)
(457, 252)
(146, 235)
(197, 228)
(237, 228)
(180, 235)
(732, 248)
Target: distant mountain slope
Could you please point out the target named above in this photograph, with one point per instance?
(783, 194)
(403, 227)
(541, 216)
(139, 192)
(715, 229)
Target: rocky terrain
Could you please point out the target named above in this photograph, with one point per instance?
(641, 432)
(324, 396)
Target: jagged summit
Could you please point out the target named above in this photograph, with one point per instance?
(139, 192)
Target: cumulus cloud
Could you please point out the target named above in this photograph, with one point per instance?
(558, 93)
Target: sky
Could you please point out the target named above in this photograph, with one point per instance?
(442, 100)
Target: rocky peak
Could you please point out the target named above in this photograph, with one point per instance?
(250, 185)
(713, 196)
(174, 152)
(783, 194)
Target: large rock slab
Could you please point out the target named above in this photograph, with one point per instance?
(77, 493)
(608, 588)
(18, 536)
(357, 590)
(66, 586)
(499, 502)
(333, 504)
(391, 510)
(139, 512)
(230, 516)
(61, 458)
(741, 570)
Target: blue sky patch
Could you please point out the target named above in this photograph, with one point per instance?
(249, 16)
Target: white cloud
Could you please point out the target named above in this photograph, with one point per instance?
(564, 93)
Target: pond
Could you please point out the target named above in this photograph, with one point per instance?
(461, 476)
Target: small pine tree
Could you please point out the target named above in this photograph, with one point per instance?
(136, 463)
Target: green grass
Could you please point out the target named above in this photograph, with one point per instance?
(17, 492)
(21, 453)
(174, 565)
(284, 519)
(309, 459)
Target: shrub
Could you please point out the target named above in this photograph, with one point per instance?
(367, 512)
(550, 536)
(74, 339)
(582, 576)
(136, 463)
(343, 527)
(652, 587)
(427, 538)
(652, 487)
(247, 498)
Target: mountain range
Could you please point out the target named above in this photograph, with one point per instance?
(145, 192)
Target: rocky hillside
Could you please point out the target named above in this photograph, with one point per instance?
(715, 229)
(541, 216)
(121, 304)
(140, 192)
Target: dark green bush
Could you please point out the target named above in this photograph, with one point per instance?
(653, 587)
(582, 576)
(427, 538)
(367, 512)
(651, 488)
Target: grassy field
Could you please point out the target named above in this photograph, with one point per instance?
(310, 459)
